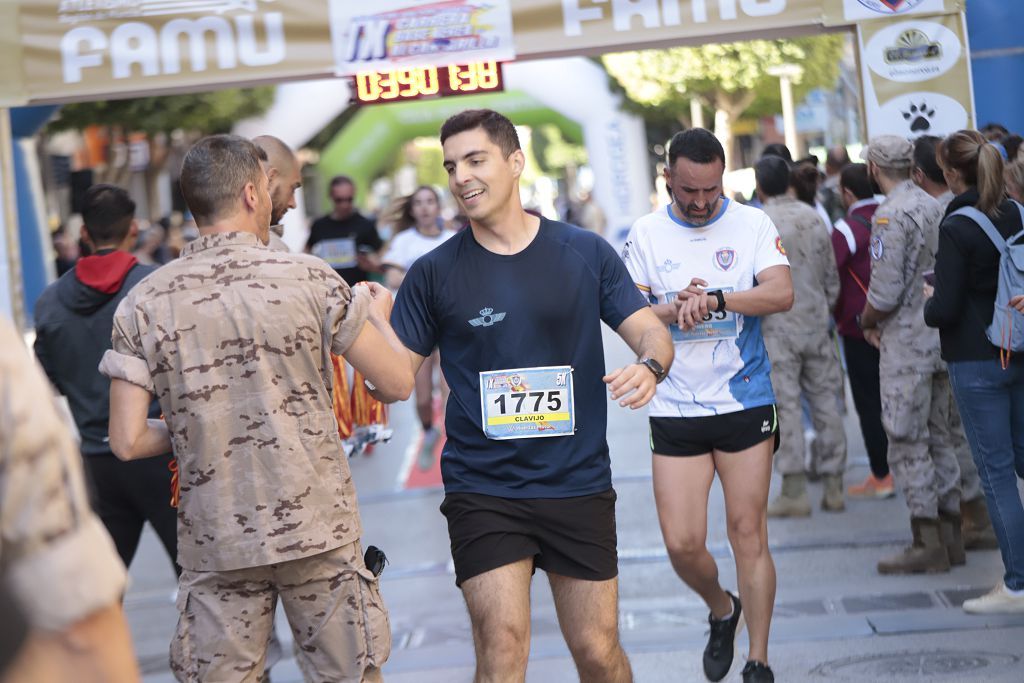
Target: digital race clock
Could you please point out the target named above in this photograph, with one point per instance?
(418, 82)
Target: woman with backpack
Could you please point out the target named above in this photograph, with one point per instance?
(987, 377)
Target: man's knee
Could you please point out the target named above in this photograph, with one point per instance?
(747, 535)
(502, 643)
(685, 545)
(597, 650)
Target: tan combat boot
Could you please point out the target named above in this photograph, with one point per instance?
(833, 500)
(926, 555)
(949, 530)
(977, 527)
(792, 502)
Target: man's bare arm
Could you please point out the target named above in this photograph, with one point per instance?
(132, 434)
(648, 336)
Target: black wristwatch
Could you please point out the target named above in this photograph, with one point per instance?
(655, 367)
(720, 297)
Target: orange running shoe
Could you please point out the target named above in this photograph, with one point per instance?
(873, 487)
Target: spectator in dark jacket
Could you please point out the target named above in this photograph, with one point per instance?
(990, 393)
(74, 320)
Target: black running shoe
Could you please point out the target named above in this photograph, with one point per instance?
(718, 653)
(756, 672)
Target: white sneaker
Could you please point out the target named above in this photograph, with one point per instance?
(997, 601)
(425, 459)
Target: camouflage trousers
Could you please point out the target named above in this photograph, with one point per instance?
(807, 363)
(923, 460)
(333, 604)
(970, 482)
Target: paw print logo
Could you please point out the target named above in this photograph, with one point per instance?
(920, 117)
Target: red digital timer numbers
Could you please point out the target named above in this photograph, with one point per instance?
(413, 83)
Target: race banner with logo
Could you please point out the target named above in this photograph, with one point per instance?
(78, 49)
(916, 76)
(845, 12)
(65, 50)
(393, 33)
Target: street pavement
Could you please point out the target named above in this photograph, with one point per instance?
(835, 618)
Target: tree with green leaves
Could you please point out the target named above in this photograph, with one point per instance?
(206, 113)
(730, 78)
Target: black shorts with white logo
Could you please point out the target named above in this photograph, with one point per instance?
(729, 432)
(573, 537)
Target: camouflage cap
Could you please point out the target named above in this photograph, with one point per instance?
(890, 151)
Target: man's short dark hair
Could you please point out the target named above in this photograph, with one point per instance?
(772, 175)
(107, 213)
(215, 171)
(1012, 143)
(854, 177)
(777, 149)
(341, 180)
(499, 128)
(924, 158)
(699, 145)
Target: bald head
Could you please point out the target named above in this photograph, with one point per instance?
(836, 159)
(284, 172)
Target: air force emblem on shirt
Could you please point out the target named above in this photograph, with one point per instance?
(668, 266)
(725, 258)
(487, 318)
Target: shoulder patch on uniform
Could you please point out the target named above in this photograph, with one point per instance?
(877, 248)
(778, 246)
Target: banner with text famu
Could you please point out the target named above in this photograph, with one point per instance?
(90, 49)
(394, 33)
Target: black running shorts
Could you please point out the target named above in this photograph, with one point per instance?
(573, 537)
(730, 432)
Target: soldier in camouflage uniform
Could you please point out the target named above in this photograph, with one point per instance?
(56, 559)
(914, 384)
(235, 340)
(802, 354)
(978, 533)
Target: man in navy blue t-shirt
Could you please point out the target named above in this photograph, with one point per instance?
(515, 303)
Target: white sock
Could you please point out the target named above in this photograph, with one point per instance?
(1017, 593)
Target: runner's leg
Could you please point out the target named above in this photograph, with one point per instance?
(588, 613)
(745, 479)
(681, 487)
(499, 609)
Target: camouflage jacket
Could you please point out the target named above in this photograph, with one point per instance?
(904, 239)
(812, 264)
(55, 556)
(235, 341)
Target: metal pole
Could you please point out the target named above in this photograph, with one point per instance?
(696, 113)
(8, 189)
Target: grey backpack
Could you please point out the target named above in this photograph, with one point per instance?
(1007, 327)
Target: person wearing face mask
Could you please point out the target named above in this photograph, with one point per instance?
(418, 230)
(988, 386)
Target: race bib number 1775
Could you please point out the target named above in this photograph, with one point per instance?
(527, 403)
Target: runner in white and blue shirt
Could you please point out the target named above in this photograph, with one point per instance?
(711, 269)
(721, 367)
